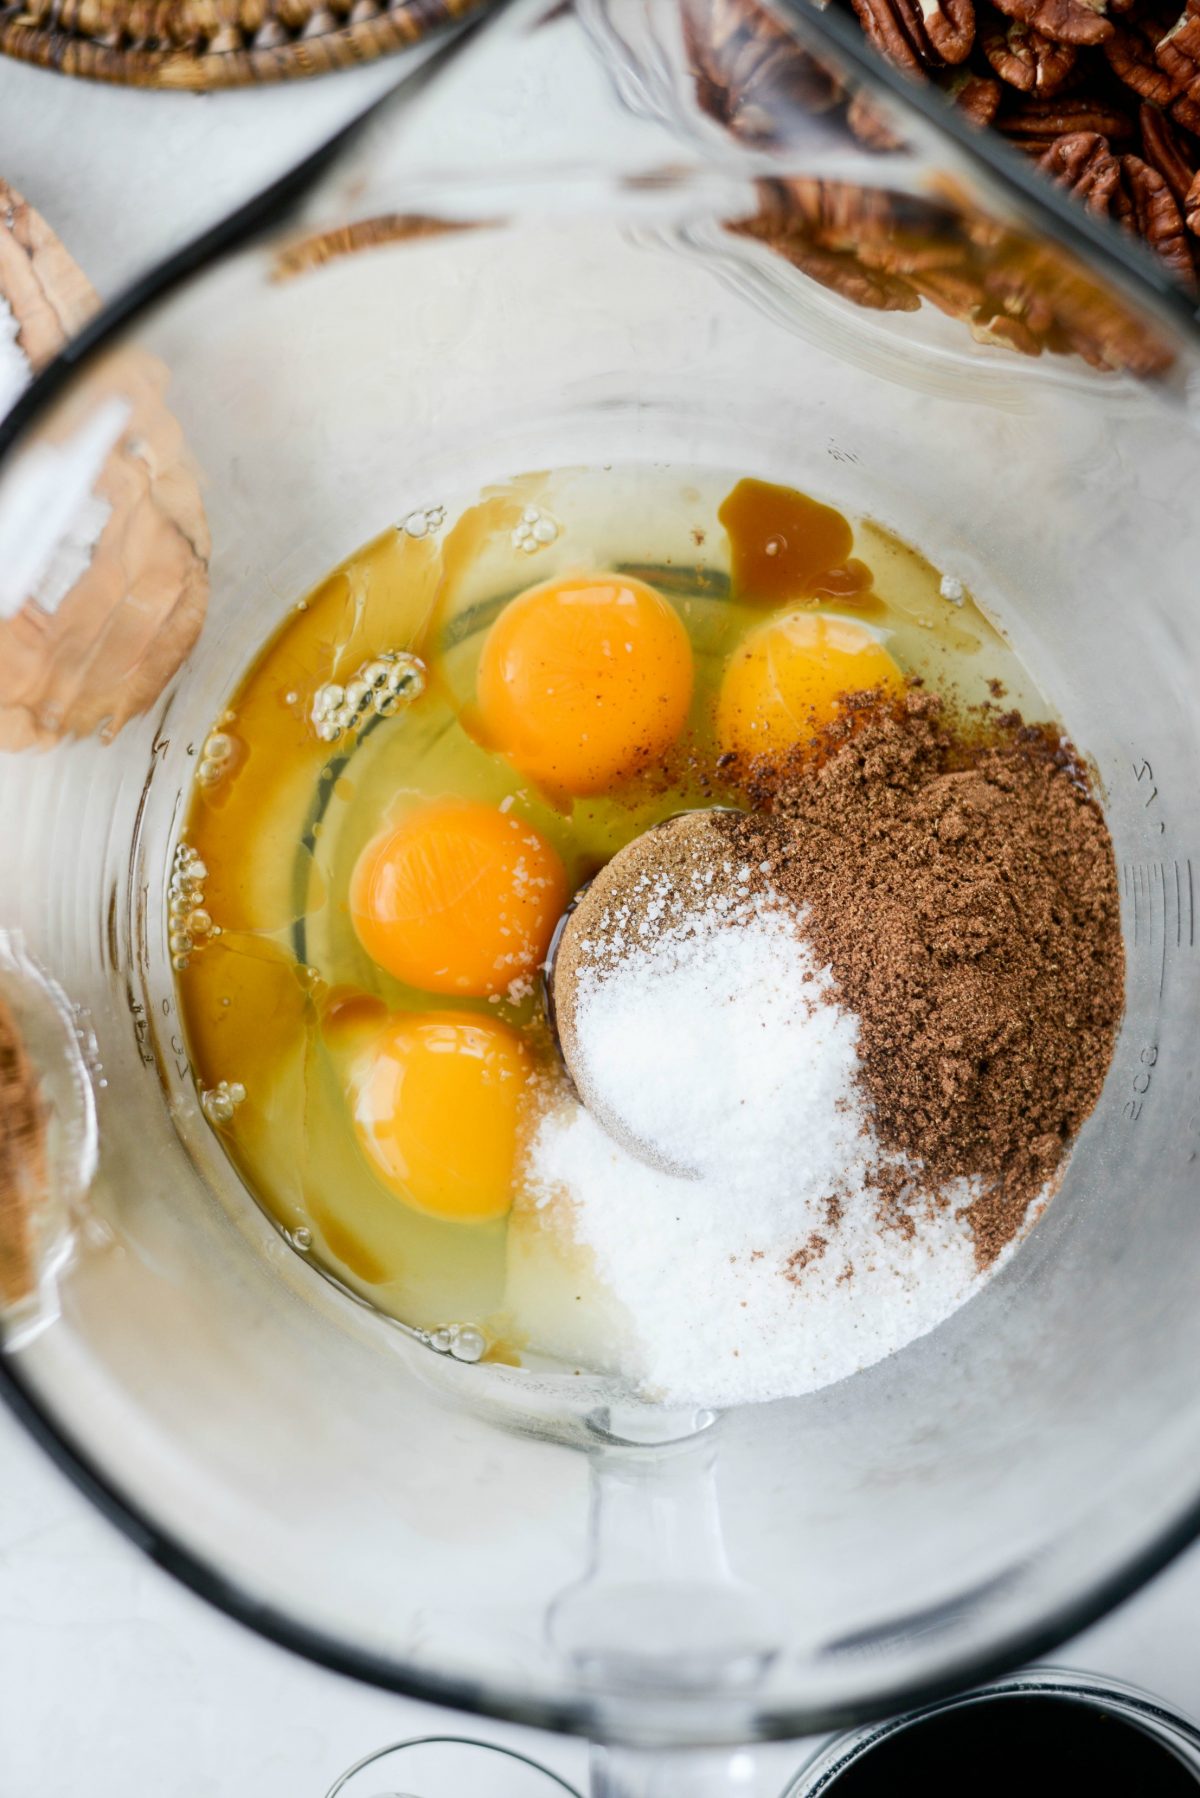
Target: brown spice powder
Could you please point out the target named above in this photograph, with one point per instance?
(965, 897)
(804, 1256)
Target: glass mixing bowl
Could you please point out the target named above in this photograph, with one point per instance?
(541, 1548)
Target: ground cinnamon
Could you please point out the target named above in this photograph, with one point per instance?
(963, 890)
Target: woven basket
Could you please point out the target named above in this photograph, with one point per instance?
(198, 45)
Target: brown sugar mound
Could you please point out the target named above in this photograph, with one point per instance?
(965, 897)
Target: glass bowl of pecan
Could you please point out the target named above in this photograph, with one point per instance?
(1089, 117)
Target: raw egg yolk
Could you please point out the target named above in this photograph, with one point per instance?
(458, 898)
(785, 682)
(583, 682)
(435, 1100)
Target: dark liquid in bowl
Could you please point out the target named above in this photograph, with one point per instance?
(1030, 1747)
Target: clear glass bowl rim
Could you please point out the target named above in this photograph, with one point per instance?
(1127, 267)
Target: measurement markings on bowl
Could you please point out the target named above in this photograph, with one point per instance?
(1143, 773)
(1161, 898)
(1141, 1082)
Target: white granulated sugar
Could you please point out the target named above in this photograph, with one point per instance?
(14, 366)
(72, 555)
(52, 518)
(766, 1273)
(736, 1008)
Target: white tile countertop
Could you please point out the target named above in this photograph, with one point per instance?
(113, 1680)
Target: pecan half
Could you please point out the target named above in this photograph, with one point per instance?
(1191, 206)
(882, 29)
(1026, 60)
(1035, 281)
(1083, 162)
(1067, 21)
(976, 95)
(313, 251)
(919, 34)
(841, 272)
(957, 292)
(1164, 148)
(914, 253)
(890, 233)
(949, 26)
(845, 274)
(1007, 333)
(749, 73)
(1130, 55)
(1015, 287)
(1178, 56)
(870, 126)
(1127, 189)
(848, 238)
(1035, 124)
(838, 215)
(1146, 206)
(1111, 339)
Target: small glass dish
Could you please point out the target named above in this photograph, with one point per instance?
(1166, 1728)
(447, 1767)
